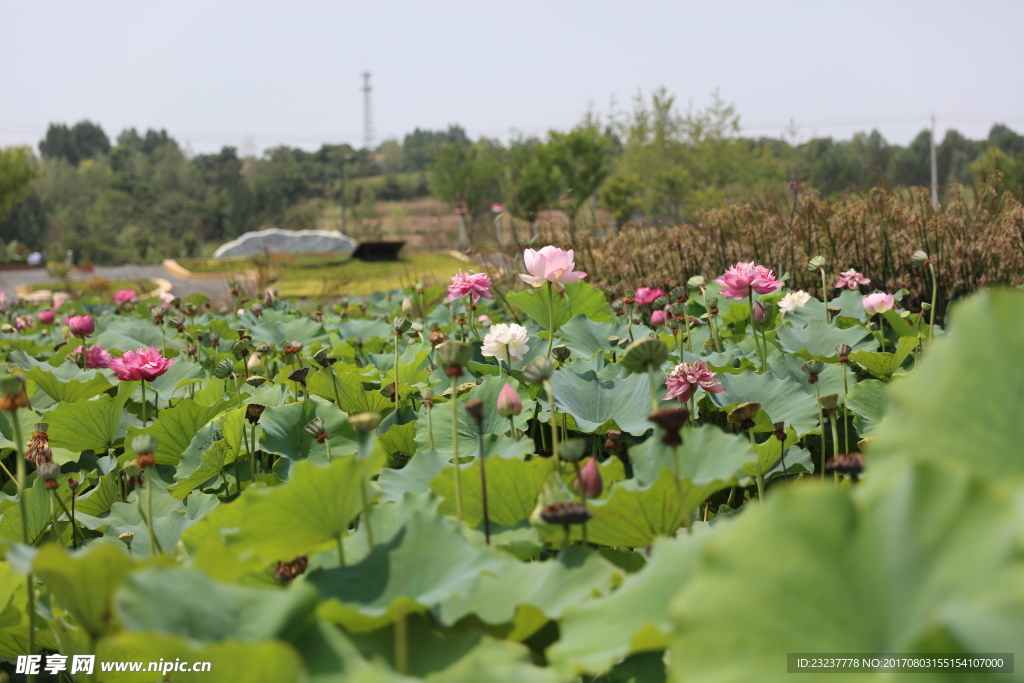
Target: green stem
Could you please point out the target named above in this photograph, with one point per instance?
(23, 506)
(881, 331)
(71, 518)
(252, 453)
(821, 421)
(760, 474)
(154, 541)
(824, 295)
(366, 515)
(711, 321)
(341, 551)
(512, 427)
(686, 323)
(846, 422)
(679, 490)
(935, 294)
(398, 398)
(145, 417)
(483, 484)
(551, 318)
(654, 390)
(455, 449)
(753, 327)
(430, 426)
(327, 445)
(554, 425)
(835, 440)
(53, 519)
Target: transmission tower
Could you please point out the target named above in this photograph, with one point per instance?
(367, 112)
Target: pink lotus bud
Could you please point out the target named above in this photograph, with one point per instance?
(759, 313)
(81, 325)
(657, 318)
(589, 480)
(509, 403)
(46, 317)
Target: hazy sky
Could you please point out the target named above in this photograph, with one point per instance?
(255, 74)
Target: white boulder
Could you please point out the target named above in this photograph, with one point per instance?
(287, 241)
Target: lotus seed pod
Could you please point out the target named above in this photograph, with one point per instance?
(315, 427)
(364, 422)
(744, 414)
(223, 369)
(813, 367)
(564, 514)
(127, 538)
(919, 259)
(829, 402)
(573, 450)
(144, 443)
(256, 380)
(427, 394)
(843, 350)
(696, 282)
(401, 325)
(677, 293)
(817, 264)
(48, 471)
(561, 353)
(538, 370)
(475, 408)
(253, 411)
(660, 303)
(455, 353)
(299, 375)
(645, 355)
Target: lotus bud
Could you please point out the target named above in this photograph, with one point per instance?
(254, 364)
(407, 307)
(256, 381)
(364, 422)
(919, 259)
(817, 264)
(509, 403)
(538, 371)
(223, 369)
(589, 482)
(759, 313)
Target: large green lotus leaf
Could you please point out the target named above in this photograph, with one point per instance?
(37, 508)
(468, 436)
(99, 498)
(708, 456)
(579, 298)
(132, 335)
(313, 508)
(212, 462)
(784, 400)
(888, 571)
(637, 610)
(869, 401)
(885, 365)
(386, 521)
(284, 431)
(398, 438)
(189, 604)
(494, 661)
(902, 323)
(586, 337)
(270, 661)
(819, 340)
(530, 594)
(428, 562)
(350, 396)
(365, 329)
(851, 304)
(412, 366)
(938, 414)
(176, 428)
(88, 425)
(830, 380)
(513, 484)
(415, 477)
(84, 583)
(276, 331)
(69, 383)
(597, 406)
(26, 422)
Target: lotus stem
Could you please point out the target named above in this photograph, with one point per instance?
(679, 490)
(711, 320)
(430, 426)
(455, 448)
(154, 541)
(551, 318)
(252, 452)
(654, 390)
(935, 294)
(835, 441)
(753, 325)
(824, 295)
(821, 421)
(757, 466)
(144, 407)
(554, 425)
(53, 519)
(483, 482)
(398, 398)
(512, 427)
(23, 506)
(71, 518)
(881, 332)
(341, 551)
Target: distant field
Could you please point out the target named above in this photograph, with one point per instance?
(96, 286)
(329, 275)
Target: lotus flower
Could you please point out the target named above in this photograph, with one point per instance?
(97, 357)
(851, 279)
(166, 298)
(81, 325)
(22, 322)
(646, 295)
(551, 265)
(589, 481)
(879, 302)
(505, 342)
(740, 279)
(793, 301)
(125, 295)
(509, 403)
(46, 317)
(657, 318)
(144, 364)
(484, 321)
(687, 378)
(476, 285)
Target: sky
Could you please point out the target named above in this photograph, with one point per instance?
(256, 74)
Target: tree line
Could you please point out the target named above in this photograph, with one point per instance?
(141, 196)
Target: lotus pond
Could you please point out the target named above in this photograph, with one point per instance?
(553, 485)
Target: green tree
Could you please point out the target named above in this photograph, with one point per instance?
(529, 182)
(84, 140)
(16, 174)
(580, 158)
(468, 175)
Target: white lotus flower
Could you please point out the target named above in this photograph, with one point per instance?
(793, 301)
(505, 342)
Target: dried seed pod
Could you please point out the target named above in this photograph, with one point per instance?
(744, 414)
(253, 411)
(566, 513)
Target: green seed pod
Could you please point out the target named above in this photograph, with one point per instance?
(696, 282)
(645, 355)
(813, 367)
(538, 370)
(364, 422)
(401, 325)
(919, 259)
(572, 450)
(315, 427)
(660, 303)
(144, 444)
(561, 353)
(455, 353)
(829, 401)
(816, 264)
(223, 369)
(256, 380)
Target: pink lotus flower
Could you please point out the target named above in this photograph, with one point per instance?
(165, 299)
(125, 295)
(22, 322)
(46, 317)
(551, 265)
(145, 364)
(509, 403)
(81, 325)
(657, 318)
(476, 285)
(851, 279)
(646, 295)
(687, 378)
(738, 280)
(589, 480)
(97, 357)
(879, 302)
(484, 321)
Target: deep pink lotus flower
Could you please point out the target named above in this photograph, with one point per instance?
(509, 403)
(657, 318)
(145, 364)
(738, 280)
(476, 285)
(125, 295)
(81, 325)
(879, 302)
(589, 481)
(686, 378)
(46, 317)
(553, 265)
(97, 357)
(851, 279)
(647, 295)
(22, 322)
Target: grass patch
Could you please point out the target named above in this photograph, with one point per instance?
(97, 286)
